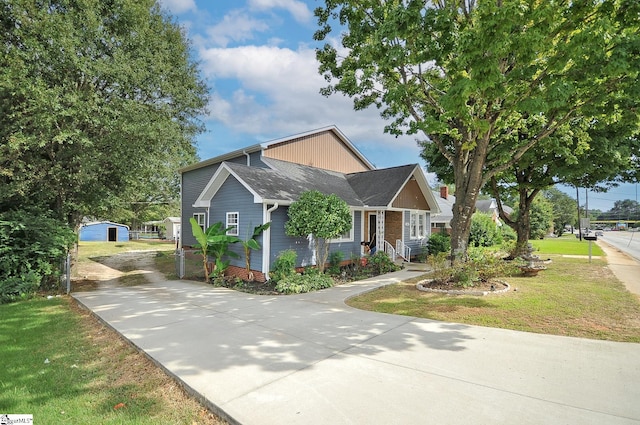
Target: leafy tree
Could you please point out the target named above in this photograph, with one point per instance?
(564, 209)
(540, 217)
(484, 231)
(213, 242)
(464, 73)
(626, 209)
(98, 106)
(324, 217)
(32, 246)
(251, 243)
(578, 153)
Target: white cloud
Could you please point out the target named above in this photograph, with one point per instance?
(235, 26)
(178, 7)
(297, 9)
(279, 96)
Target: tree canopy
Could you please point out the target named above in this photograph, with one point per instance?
(323, 216)
(564, 209)
(471, 75)
(625, 209)
(99, 105)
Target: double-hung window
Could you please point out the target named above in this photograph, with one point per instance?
(233, 221)
(200, 219)
(346, 236)
(418, 230)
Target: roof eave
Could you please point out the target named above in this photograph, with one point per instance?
(221, 158)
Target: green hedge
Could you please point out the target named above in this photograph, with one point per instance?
(32, 248)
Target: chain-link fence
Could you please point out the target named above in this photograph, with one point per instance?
(65, 274)
(189, 264)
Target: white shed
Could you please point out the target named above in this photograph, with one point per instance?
(172, 228)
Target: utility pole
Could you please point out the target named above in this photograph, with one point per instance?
(578, 202)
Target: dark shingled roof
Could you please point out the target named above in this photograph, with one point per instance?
(379, 187)
(287, 181)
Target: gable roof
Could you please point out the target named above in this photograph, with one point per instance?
(486, 205)
(380, 187)
(265, 145)
(286, 181)
(446, 208)
(284, 184)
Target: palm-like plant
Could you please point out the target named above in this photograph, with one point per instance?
(213, 242)
(252, 243)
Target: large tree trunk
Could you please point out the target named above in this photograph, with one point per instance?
(463, 209)
(523, 228)
(522, 225)
(468, 178)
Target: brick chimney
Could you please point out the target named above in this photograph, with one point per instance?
(444, 192)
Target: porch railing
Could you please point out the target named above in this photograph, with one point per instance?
(390, 251)
(404, 250)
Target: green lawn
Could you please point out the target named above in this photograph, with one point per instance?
(566, 245)
(88, 250)
(62, 366)
(572, 297)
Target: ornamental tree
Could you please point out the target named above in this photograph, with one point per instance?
(465, 73)
(324, 217)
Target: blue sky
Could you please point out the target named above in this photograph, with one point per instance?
(258, 58)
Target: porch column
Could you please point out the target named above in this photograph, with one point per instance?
(380, 231)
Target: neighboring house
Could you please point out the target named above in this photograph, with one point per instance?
(172, 228)
(442, 221)
(255, 185)
(490, 206)
(105, 231)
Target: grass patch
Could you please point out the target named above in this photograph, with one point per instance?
(92, 375)
(565, 245)
(572, 298)
(87, 250)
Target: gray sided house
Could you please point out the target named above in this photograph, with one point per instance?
(441, 222)
(256, 185)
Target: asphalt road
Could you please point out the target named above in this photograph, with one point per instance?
(627, 242)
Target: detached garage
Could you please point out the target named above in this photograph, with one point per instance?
(104, 231)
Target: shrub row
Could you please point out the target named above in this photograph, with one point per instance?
(32, 247)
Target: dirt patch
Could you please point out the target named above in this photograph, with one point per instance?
(124, 269)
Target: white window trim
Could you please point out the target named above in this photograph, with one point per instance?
(416, 226)
(202, 223)
(236, 224)
(340, 239)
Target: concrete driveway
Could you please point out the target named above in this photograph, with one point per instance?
(310, 359)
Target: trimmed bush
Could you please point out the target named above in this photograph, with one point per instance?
(381, 263)
(284, 266)
(299, 283)
(437, 243)
(484, 231)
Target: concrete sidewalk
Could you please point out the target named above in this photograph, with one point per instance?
(623, 266)
(310, 359)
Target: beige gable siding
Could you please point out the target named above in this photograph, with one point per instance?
(411, 197)
(322, 150)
